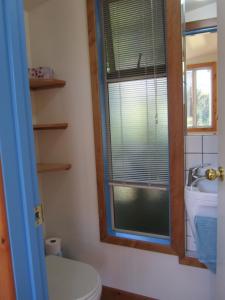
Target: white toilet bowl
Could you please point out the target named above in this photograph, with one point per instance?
(72, 280)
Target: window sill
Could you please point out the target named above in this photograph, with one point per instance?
(202, 131)
(138, 244)
(192, 262)
(186, 260)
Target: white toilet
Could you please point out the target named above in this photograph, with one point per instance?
(72, 280)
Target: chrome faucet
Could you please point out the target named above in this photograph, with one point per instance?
(210, 174)
(194, 177)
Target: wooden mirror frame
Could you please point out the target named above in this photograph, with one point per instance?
(176, 133)
(195, 26)
(201, 24)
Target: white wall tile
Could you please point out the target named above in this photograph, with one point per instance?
(190, 244)
(188, 229)
(193, 160)
(210, 144)
(211, 159)
(193, 144)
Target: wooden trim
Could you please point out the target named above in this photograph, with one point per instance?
(7, 288)
(192, 262)
(109, 293)
(44, 168)
(97, 117)
(43, 84)
(213, 66)
(175, 94)
(176, 125)
(201, 24)
(138, 244)
(53, 126)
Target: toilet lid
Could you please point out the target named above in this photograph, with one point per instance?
(71, 280)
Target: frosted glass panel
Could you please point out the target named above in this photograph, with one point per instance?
(141, 210)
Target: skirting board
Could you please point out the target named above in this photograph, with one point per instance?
(114, 294)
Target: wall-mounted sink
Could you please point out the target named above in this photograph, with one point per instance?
(200, 203)
(208, 186)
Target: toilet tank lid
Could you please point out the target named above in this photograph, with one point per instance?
(71, 280)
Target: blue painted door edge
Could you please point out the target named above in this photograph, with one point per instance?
(18, 157)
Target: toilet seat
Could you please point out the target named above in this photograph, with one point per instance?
(72, 280)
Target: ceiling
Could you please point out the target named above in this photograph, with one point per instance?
(189, 4)
(201, 46)
(194, 4)
(29, 4)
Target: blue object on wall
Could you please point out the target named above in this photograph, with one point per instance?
(17, 157)
(206, 240)
(198, 31)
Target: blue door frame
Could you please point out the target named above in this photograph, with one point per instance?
(17, 155)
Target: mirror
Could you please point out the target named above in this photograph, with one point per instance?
(201, 66)
(200, 47)
(201, 93)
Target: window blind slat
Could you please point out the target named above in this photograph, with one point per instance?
(134, 35)
(137, 102)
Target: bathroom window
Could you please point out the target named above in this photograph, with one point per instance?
(201, 97)
(138, 117)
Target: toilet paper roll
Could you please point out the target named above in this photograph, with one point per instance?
(53, 246)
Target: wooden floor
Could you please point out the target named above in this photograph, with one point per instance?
(114, 294)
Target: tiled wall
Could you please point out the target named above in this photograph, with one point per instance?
(199, 150)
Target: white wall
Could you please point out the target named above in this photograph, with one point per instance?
(59, 39)
(202, 59)
(205, 12)
(201, 48)
(30, 4)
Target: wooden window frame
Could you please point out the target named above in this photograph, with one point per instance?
(213, 128)
(201, 24)
(176, 133)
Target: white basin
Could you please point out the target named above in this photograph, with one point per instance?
(208, 186)
(199, 203)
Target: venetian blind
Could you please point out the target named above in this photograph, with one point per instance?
(136, 87)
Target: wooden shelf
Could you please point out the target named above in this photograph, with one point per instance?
(44, 168)
(53, 126)
(42, 84)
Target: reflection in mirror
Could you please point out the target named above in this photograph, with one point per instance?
(201, 95)
(201, 108)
